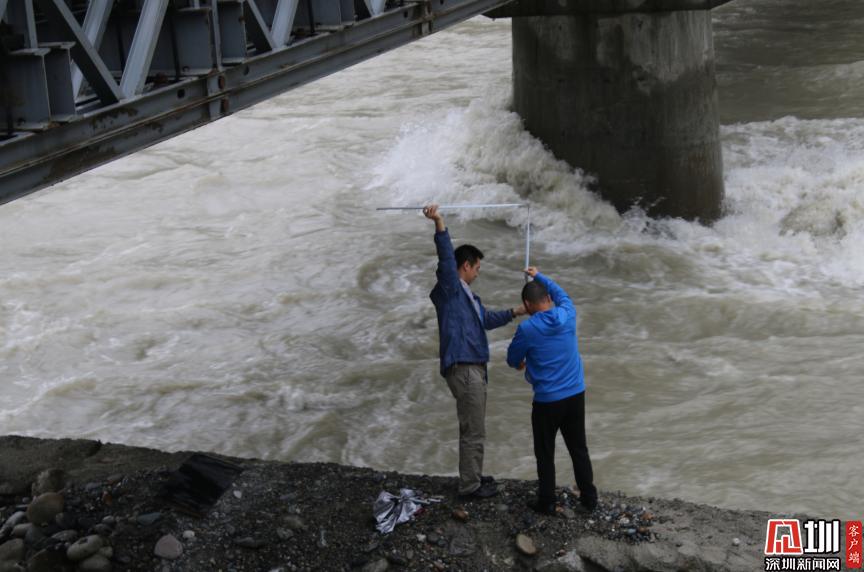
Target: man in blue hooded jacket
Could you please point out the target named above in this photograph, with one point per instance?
(464, 350)
(545, 345)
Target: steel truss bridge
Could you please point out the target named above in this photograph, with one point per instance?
(83, 82)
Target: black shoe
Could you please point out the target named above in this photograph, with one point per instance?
(542, 508)
(484, 491)
(588, 503)
(486, 479)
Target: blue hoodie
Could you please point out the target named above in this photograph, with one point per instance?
(547, 343)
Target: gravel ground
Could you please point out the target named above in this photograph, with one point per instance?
(108, 512)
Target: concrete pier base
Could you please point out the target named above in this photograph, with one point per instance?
(630, 98)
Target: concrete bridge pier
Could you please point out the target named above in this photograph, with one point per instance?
(625, 94)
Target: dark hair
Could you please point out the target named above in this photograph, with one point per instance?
(534, 292)
(467, 253)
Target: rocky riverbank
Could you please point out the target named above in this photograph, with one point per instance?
(69, 505)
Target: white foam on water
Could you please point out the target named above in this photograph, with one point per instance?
(794, 202)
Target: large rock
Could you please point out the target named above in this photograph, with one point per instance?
(32, 456)
(12, 551)
(569, 562)
(85, 548)
(45, 508)
(96, 563)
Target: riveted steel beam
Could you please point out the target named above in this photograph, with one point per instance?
(95, 23)
(66, 28)
(143, 47)
(32, 160)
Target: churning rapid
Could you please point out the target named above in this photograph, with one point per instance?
(234, 289)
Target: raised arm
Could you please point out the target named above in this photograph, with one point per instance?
(448, 277)
(557, 293)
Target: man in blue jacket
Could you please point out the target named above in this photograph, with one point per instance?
(464, 350)
(545, 345)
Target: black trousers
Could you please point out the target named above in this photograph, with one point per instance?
(568, 415)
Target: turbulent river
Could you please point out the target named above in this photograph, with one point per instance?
(234, 289)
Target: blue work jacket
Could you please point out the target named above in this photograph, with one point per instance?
(548, 344)
(461, 332)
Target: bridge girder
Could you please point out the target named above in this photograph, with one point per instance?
(79, 88)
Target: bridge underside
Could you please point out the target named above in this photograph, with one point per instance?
(81, 85)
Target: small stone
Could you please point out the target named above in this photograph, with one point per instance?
(421, 538)
(12, 550)
(568, 513)
(66, 536)
(397, 559)
(48, 481)
(502, 507)
(249, 542)
(322, 540)
(84, 548)
(168, 548)
(149, 518)
(462, 544)
(14, 520)
(624, 521)
(103, 530)
(379, 565)
(109, 520)
(460, 514)
(45, 508)
(525, 545)
(439, 565)
(432, 538)
(295, 523)
(66, 521)
(20, 531)
(736, 542)
(96, 563)
(188, 534)
(238, 494)
(284, 533)
(647, 516)
(114, 479)
(90, 487)
(371, 547)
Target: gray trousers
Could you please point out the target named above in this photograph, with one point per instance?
(468, 385)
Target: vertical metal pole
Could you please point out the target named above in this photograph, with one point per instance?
(311, 17)
(528, 243)
(143, 46)
(5, 90)
(172, 29)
